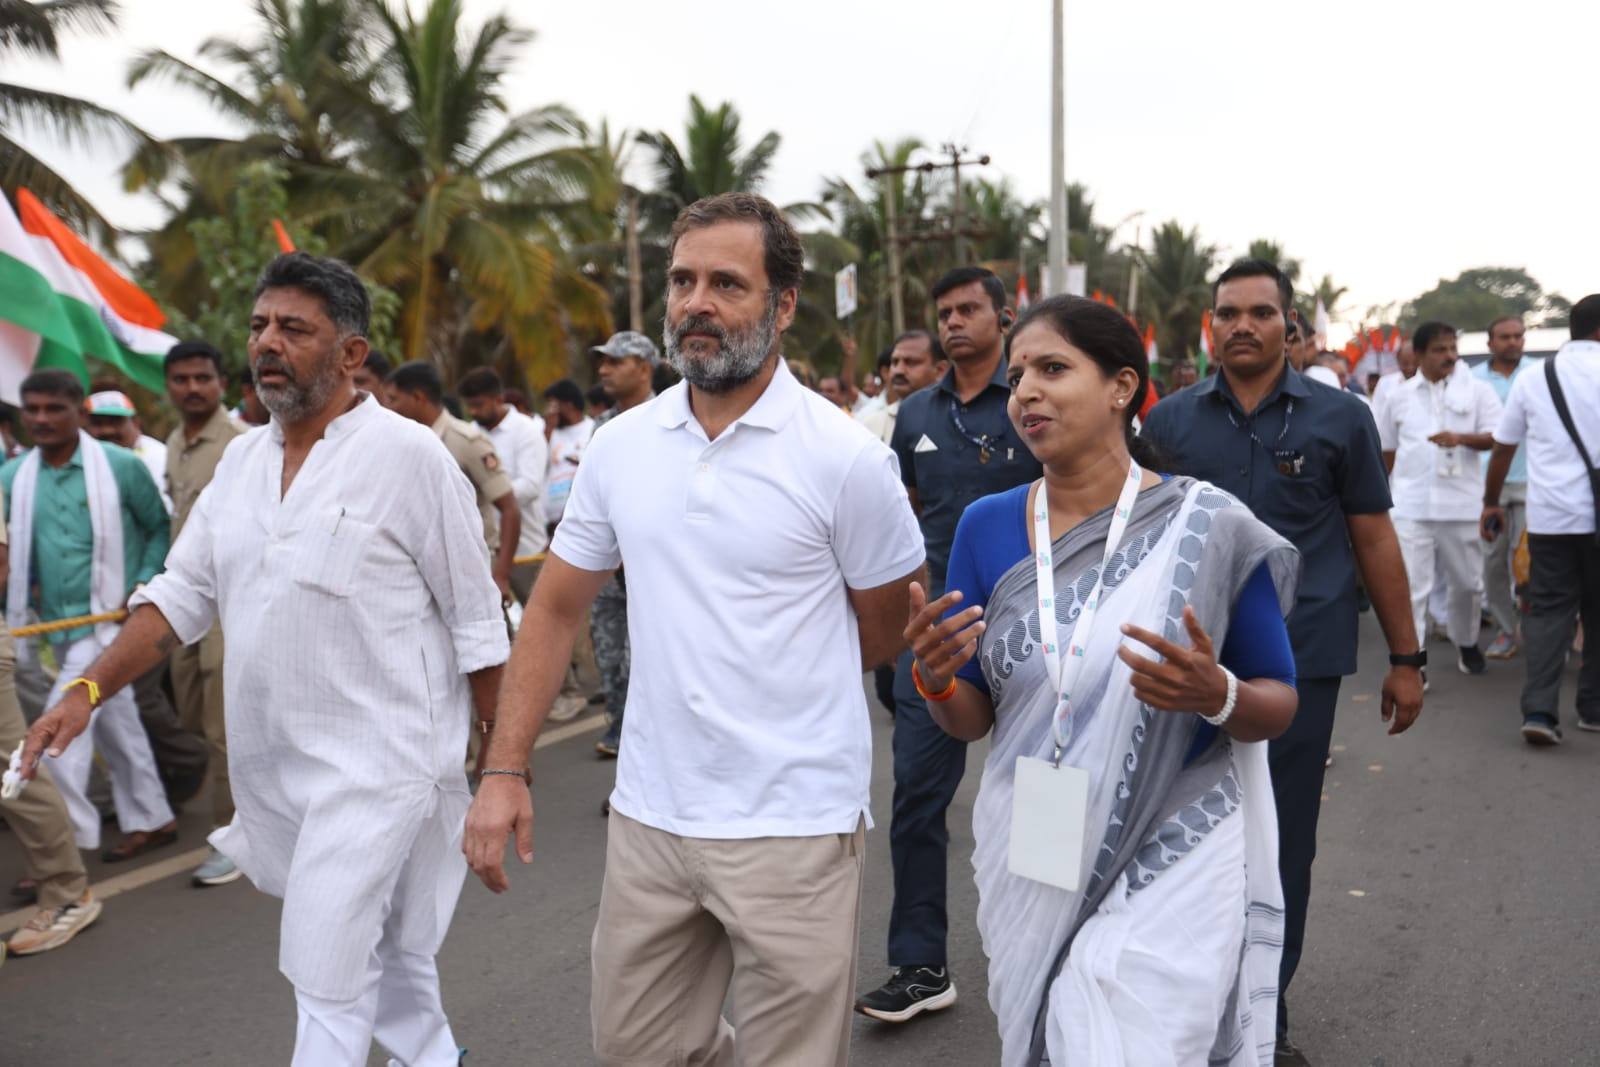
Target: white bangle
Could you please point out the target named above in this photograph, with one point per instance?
(1227, 705)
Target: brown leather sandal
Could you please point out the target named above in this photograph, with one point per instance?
(139, 842)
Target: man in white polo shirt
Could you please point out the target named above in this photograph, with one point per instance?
(770, 550)
(1432, 428)
(1563, 548)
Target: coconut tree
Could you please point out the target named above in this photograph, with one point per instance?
(289, 88)
(462, 207)
(1175, 273)
(35, 30)
(1272, 252)
(712, 160)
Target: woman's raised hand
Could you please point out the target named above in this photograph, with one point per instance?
(1188, 680)
(941, 646)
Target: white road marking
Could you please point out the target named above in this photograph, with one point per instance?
(184, 862)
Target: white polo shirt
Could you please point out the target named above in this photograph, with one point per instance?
(746, 715)
(1560, 498)
(1430, 483)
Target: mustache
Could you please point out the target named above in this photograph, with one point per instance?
(273, 363)
(698, 324)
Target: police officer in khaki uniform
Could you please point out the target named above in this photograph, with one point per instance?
(416, 391)
(194, 385)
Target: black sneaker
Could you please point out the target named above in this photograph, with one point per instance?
(1287, 1055)
(1471, 661)
(1540, 730)
(909, 992)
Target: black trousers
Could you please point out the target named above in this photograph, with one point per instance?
(1299, 760)
(928, 765)
(1563, 580)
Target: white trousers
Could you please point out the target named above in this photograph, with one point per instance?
(116, 732)
(1454, 550)
(400, 1007)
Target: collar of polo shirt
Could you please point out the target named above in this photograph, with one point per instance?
(772, 409)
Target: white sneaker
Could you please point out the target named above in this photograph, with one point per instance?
(53, 927)
(567, 707)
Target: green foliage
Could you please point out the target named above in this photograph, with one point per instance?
(1272, 252)
(1177, 271)
(231, 250)
(35, 29)
(1477, 297)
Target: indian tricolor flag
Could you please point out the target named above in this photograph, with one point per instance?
(61, 303)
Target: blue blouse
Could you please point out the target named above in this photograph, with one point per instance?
(993, 535)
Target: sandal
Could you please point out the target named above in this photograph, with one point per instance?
(139, 842)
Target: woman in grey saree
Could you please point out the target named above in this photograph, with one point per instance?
(1165, 948)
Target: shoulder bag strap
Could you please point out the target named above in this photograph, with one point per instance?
(1559, 398)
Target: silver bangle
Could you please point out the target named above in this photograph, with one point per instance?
(1227, 705)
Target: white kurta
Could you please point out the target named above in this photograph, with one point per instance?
(354, 607)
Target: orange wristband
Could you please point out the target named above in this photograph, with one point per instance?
(945, 694)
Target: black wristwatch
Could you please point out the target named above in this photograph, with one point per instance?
(1409, 659)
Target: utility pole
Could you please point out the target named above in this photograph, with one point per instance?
(1133, 272)
(956, 235)
(897, 297)
(1058, 150)
(635, 282)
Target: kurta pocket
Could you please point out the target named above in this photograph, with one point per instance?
(329, 555)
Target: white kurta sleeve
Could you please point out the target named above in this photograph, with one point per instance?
(454, 563)
(186, 591)
(876, 538)
(1384, 415)
(531, 462)
(1487, 416)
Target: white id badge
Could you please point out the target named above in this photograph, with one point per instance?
(1049, 812)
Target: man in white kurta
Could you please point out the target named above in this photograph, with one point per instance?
(351, 577)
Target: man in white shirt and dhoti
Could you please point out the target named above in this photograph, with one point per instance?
(341, 550)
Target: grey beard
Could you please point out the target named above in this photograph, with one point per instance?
(739, 358)
(295, 402)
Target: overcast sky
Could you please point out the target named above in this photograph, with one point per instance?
(1387, 143)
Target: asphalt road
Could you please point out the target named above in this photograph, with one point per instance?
(1451, 921)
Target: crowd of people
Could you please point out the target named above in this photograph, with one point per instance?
(334, 602)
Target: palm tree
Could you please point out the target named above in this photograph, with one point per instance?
(1325, 291)
(35, 29)
(461, 208)
(1176, 272)
(1272, 252)
(861, 224)
(289, 87)
(1012, 229)
(713, 159)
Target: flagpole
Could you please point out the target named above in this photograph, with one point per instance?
(1058, 151)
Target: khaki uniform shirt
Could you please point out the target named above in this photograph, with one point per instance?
(191, 464)
(474, 453)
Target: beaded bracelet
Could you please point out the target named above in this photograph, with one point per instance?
(1227, 705)
(520, 774)
(944, 694)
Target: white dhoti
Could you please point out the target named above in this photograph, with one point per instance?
(115, 730)
(400, 1007)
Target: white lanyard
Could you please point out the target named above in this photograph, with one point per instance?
(1064, 675)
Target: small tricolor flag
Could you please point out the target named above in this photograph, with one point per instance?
(60, 303)
(1023, 298)
(1204, 361)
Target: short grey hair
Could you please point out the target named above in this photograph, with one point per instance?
(343, 293)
